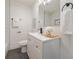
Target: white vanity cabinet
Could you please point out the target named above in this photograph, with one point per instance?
(38, 49)
(34, 48)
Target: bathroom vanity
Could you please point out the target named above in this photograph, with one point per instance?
(41, 47)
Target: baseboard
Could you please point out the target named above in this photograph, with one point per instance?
(6, 49)
(12, 48)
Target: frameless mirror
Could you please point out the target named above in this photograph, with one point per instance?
(49, 12)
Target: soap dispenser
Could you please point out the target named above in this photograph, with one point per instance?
(41, 30)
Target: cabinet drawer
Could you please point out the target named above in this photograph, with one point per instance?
(37, 44)
(34, 47)
(30, 38)
(38, 50)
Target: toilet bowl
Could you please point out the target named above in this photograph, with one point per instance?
(23, 45)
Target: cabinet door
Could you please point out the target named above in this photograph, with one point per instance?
(51, 49)
(38, 49)
(34, 48)
(30, 48)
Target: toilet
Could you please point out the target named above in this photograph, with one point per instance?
(23, 45)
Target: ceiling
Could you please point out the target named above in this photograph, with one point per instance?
(27, 2)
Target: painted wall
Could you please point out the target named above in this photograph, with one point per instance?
(62, 2)
(36, 15)
(41, 15)
(22, 16)
(67, 39)
(7, 26)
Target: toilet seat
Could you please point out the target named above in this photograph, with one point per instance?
(23, 43)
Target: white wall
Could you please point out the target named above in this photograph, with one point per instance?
(41, 16)
(67, 39)
(62, 2)
(36, 14)
(19, 11)
(7, 33)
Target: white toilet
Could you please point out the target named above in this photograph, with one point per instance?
(23, 45)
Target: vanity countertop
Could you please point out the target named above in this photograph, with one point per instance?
(41, 37)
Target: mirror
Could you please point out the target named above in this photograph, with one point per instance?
(49, 13)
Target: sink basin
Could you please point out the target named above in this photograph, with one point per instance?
(51, 34)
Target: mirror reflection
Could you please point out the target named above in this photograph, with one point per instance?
(49, 12)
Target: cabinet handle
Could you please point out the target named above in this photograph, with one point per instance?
(29, 39)
(36, 46)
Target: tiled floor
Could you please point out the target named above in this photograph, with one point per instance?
(16, 54)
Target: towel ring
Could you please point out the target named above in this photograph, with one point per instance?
(67, 5)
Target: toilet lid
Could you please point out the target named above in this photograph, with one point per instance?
(24, 42)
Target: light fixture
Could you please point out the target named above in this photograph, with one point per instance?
(46, 1)
(41, 1)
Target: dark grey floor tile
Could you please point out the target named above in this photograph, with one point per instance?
(16, 54)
